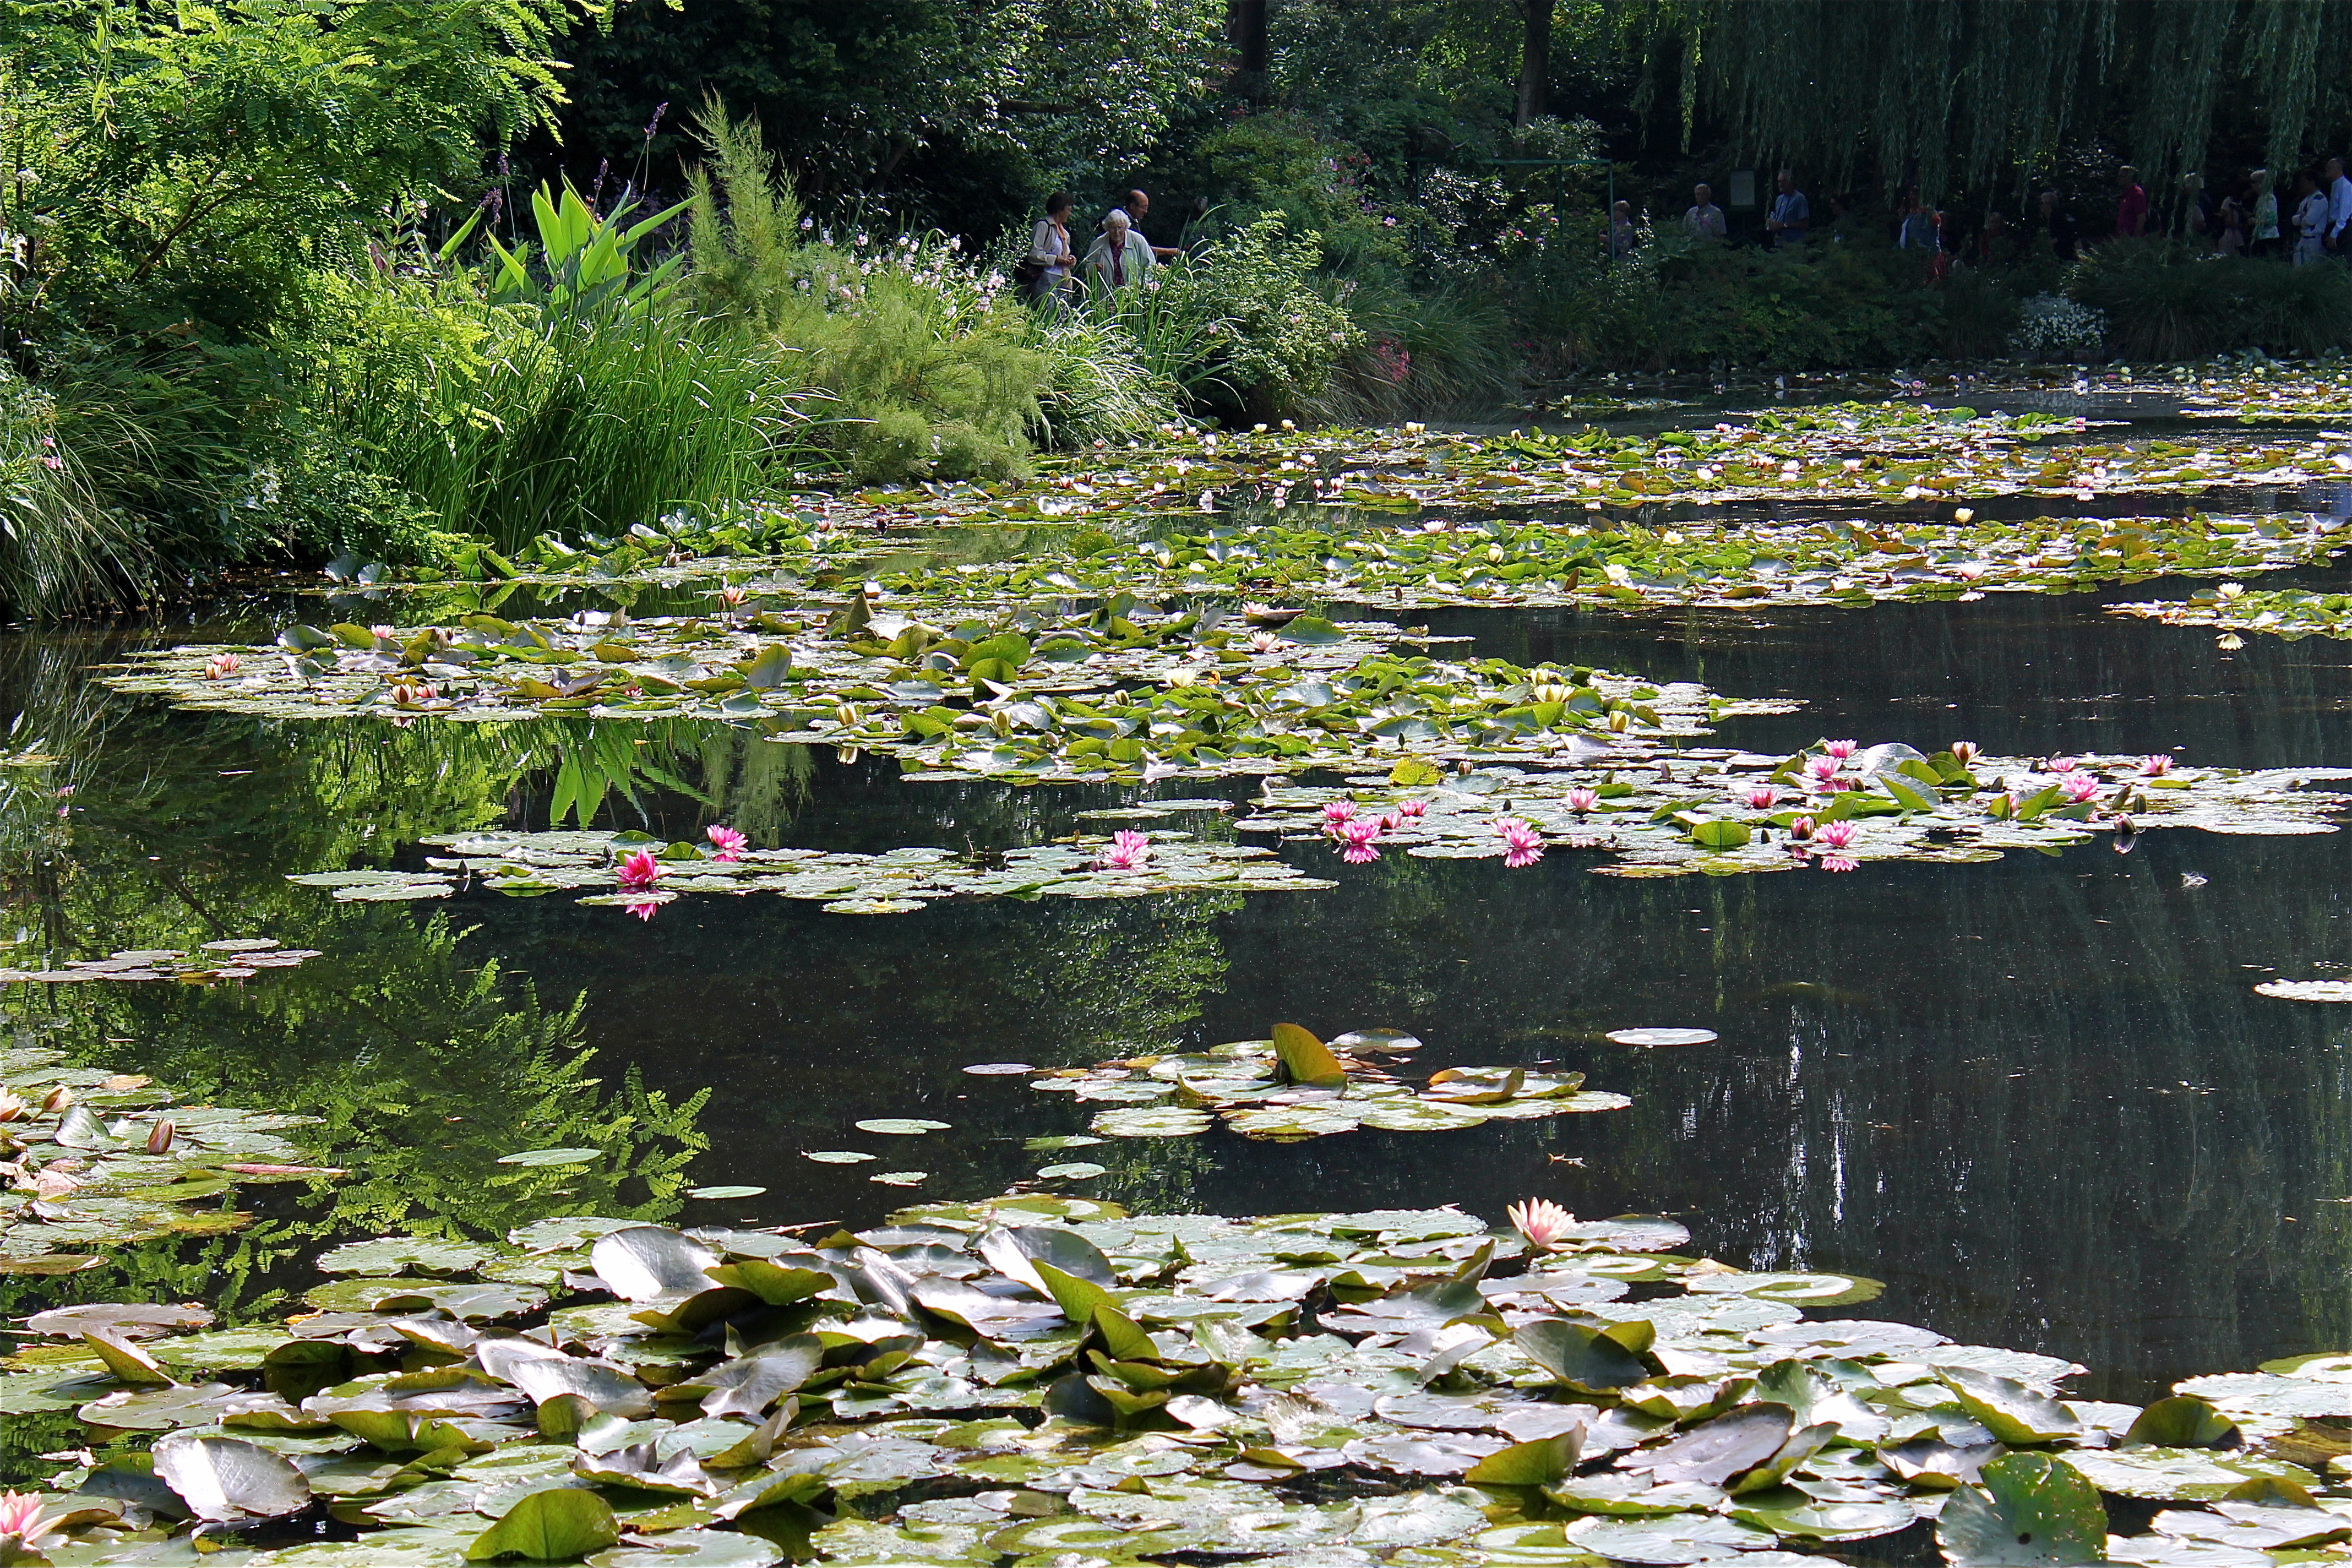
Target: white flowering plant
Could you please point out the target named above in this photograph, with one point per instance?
(2049, 326)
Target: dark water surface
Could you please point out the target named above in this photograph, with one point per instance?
(2038, 1097)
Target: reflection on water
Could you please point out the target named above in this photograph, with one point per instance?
(2038, 1097)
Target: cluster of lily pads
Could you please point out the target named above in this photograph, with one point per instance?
(1366, 557)
(1831, 805)
(231, 958)
(2231, 608)
(1054, 1382)
(1293, 1086)
(1900, 452)
(1119, 692)
(91, 1159)
(1849, 452)
(643, 872)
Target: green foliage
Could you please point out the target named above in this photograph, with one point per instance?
(1256, 334)
(917, 367)
(1991, 83)
(60, 545)
(2164, 301)
(1280, 164)
(1098, 382)
(513, 420)
(183, 177)
(743, 251)
(949, 114)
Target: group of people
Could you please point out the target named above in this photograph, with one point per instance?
(1119, 256)
(2248, 219)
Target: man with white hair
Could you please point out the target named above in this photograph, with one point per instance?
(1120, 255)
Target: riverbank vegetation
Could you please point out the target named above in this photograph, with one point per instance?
(404, 282)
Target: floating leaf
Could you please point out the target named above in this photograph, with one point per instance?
(2029, 1511)
(1663, 1037)
(548, 1526)
(902, 1126)
(553, 1157)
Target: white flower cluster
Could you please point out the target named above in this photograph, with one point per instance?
(2050, 325)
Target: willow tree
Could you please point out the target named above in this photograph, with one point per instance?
(1967, 89)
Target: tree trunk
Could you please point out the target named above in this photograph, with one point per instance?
(1245, 28)
(1534, 62)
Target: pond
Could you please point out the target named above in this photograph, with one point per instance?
(2037, 1095)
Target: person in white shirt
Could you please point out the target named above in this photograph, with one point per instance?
(1704, 219)
(2340, 204)
(2310, 220)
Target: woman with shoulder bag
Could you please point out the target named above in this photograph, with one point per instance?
(1044, 273)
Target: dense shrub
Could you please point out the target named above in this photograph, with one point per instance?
(2165, 301)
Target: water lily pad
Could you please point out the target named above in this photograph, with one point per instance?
(902, 1126)
(393, 1253)
(1154, 1122)
(901, 1178)
(835, 1156)
(1663, 1037)
(1674, 1539)
(725, 1192)
(998, 1070)
(1076, 1171)
(553, 1157)
(2307, 990)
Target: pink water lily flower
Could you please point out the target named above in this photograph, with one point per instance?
(1964, 752)
(1838, 863)
(1359, 835)
(643, 911)
(220, 667)
(1540, 1220)
(1841, 750)
(1413, 810)
(1388, 822)
(2155, 764)
(2064, 764)
(2078, 786)
(1760, 797)
(640, 870)
(1820, 769)
(1522, 845)
(728, 842)
(20, 1514)
(1835, 835)
(1336, 812)
(1127, 851)
(1580, 801)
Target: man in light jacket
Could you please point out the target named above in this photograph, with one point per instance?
(2340, 204)
(1120, 255)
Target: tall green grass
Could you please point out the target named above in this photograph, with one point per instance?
(61, 546)
(508, 421)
